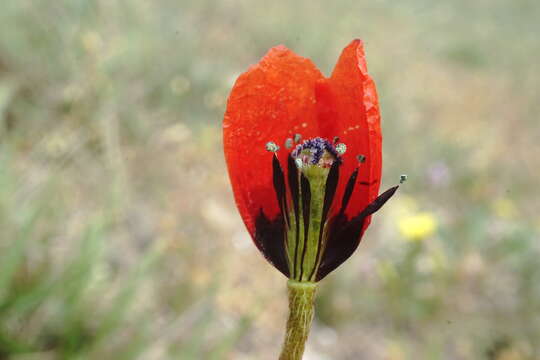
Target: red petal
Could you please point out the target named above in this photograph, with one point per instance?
(348, 108)
(272, 101)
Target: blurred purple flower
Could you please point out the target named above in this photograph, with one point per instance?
(438, 174)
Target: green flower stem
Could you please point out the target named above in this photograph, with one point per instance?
(301, 301)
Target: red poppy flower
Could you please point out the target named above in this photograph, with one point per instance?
(304, 157)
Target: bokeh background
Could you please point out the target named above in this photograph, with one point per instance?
(119, 237)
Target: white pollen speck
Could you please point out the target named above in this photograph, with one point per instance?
(341, 148)
(271, 146)
(304, 125)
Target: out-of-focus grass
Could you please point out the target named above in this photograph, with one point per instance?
(118, 234)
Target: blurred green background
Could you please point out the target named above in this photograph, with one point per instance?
(119, 237)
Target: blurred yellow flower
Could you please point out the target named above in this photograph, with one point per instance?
(395, 351)
(92, 42)
(215, 100)
(510, 354)
(418, 226)
(504, 208)
(180, 85)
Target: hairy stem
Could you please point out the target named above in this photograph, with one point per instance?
(301, 298)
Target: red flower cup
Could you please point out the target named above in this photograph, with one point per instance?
(304, 158)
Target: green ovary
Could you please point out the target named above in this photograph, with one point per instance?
(303, 270)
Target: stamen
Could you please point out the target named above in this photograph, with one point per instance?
(341, 148)
(299, 163)
(361, 158)
(403, 178)
(295, 195)
(349, 188)
(271, 146)
(288, 143)
(297, 138)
